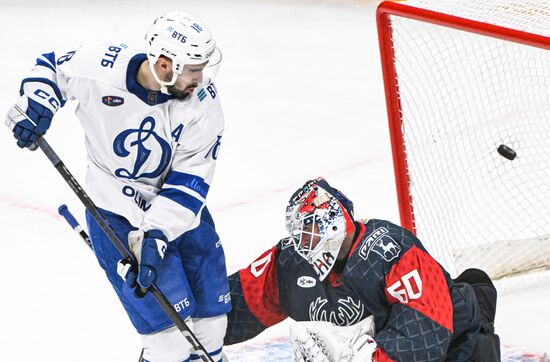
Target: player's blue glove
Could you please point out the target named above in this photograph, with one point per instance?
(148, 248)
(39, 102)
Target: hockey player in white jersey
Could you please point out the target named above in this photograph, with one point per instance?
(153, 124)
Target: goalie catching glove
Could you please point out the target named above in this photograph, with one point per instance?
(148, 248)
(325, 342)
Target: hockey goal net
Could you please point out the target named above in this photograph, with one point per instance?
(468, 95)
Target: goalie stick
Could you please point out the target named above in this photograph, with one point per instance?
(115, 239)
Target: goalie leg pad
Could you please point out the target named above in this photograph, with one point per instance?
(487, 348)
(485, 291)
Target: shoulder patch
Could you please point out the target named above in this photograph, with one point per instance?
(380, 243)
(112, 101)
(201, 94)
(306, 281)
(209, 89)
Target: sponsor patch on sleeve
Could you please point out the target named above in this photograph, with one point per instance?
(112, 101)
(380, 243)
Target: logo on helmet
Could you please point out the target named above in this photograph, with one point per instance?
(168, 52)
(182, 38)
(209, 54)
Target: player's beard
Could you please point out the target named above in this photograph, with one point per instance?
(180, 94)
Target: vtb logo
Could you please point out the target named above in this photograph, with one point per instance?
(147, 147)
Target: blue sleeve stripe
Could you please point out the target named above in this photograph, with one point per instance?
(49, 57)
(192, 182)
(45, 81)
(45, 64)
(180, 197)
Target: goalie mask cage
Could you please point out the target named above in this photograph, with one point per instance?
(468, 94)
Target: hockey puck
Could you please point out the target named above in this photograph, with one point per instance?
(506, 152)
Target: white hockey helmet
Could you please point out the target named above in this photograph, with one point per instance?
(183, 39)
(318, 219)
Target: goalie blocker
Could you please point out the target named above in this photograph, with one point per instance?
(377, 269)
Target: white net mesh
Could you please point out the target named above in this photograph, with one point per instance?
(462, 96)
(525, 15)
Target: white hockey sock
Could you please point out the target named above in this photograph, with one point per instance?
(168, 345)
(210, 332)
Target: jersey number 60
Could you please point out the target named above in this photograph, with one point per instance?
(403, 290)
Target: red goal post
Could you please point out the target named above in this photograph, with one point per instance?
(438, 40)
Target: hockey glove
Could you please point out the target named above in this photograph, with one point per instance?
(39, 101)
(325, 342)
(360, 348)
(148, 248)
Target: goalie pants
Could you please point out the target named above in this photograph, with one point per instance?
(193, 275)
(477, 286)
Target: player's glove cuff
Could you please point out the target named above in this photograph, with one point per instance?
(127, 271)
(149, 248)
(44, 92)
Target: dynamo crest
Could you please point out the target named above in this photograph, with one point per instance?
(146, 148)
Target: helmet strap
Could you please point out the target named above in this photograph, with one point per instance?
(163, 85)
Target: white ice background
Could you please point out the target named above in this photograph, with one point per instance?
(303, 97)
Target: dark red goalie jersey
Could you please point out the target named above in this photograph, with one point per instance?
(420, 313)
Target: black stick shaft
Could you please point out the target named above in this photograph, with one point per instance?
(119, 244)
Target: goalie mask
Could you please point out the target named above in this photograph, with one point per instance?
(318, 219)
(185, 40)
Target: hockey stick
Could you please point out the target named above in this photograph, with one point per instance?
(115, 239)
(119, 244)
(63, 210)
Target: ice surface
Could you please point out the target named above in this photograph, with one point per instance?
(303, 97)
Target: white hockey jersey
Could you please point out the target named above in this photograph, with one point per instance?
(151, 158)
